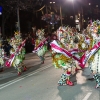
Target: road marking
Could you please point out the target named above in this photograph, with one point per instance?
(87, 96)
(23, 77)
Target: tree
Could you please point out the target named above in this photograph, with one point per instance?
(13, 6)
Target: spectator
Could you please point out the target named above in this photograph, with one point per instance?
(28, 44)
(7, 48)
(54, 36)
(33, 43)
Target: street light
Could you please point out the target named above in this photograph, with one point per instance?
(97, 10)
(78, 16)
(60, 10)
(52, 2)
(97, 6)
(72, 1)
(89, 4)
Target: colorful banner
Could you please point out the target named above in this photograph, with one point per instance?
(40, 46)
(58, 49)
(87, 55)
(82, 61)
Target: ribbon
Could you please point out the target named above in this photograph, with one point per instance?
(82, 61)
(40, 46)
(8, 63)
(76, 51)
(87, 55)
(10, 60)
(58, 49)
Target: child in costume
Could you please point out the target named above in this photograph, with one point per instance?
(40, 45)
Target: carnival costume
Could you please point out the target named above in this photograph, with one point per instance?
(2, 57)
(61, 61)
(95, 63)
(92, 55)
(40, 45)
(68, 52)
(64, 42)
(17, 53)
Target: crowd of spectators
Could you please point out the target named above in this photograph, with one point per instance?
(30, 42)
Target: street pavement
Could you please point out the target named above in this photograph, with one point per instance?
(39, 82)
(32, 62)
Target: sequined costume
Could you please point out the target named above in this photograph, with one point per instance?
(60, 60)
(95, 64)
(17, 53)
(40, 45)
(2, 55)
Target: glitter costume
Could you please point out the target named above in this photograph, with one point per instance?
(17, 53)
(40, 45)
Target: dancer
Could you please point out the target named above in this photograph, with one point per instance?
(95, 64)
(17, 54)
(2, 57)
(40, 45)
(91, 58)
(61, 60)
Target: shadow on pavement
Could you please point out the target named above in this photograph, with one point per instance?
(13, 74)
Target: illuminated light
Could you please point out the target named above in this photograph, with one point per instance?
(70, 0)
(53, 2)
(84, 20)
(79, 14)
(89, 3)
(71, 17)
(50, 22)
(50, 2)
(97, 6)
(76, 21)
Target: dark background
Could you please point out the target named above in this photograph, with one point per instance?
(30, 18)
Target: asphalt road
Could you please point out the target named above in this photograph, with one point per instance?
(40, 83)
